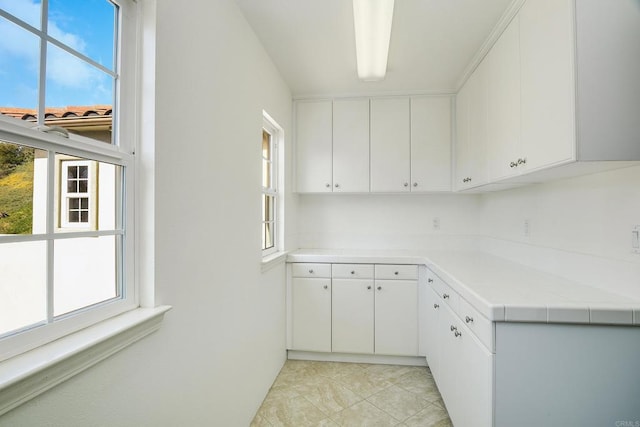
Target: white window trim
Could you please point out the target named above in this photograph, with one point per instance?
(274, 255)
(25, 376)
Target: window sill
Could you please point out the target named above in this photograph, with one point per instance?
(26, 376)
(273, 260)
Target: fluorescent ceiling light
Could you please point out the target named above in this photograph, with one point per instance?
(372, 21)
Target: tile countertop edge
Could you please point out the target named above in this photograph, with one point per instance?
(574, 312)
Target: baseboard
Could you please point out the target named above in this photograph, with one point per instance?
(357, 358)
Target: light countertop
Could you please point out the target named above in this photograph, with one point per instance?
(501, 290)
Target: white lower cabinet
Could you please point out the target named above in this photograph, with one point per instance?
(352, 316)
(396, 317)
(311, 314)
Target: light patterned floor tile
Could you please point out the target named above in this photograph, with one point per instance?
(431, 416)
(420, 383)
(398, 403)
(366, 383)
(328, 395)
(296, 412)
(364, 414)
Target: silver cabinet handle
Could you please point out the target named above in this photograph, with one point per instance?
(445, 296)
(326, 286)
(369, 287)
(379, 288)
(457, 334)
(415, 184)
(436, 306)
(468, 319)
(513, 164)
(522, 161)
(310, 271)
(453, 328)
(337, 185)
(430, 280)
(396, 272)
(406, 184)
(353, 272)
(328, 185)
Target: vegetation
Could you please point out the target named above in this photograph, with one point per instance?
(16, 189)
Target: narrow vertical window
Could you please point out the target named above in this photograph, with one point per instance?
(271, 216)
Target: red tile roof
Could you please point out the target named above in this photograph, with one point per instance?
(59, 112)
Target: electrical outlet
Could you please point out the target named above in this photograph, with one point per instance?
(527, 228)
(436, 223)
(635, 239)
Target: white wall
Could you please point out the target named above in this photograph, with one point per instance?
(392, 221)
(221, 346)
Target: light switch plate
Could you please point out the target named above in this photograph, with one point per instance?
(635, 239)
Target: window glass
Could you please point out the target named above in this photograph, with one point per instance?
(30, 11)
(84, 272)
(87, 26)
(19, 58)
(23, 299)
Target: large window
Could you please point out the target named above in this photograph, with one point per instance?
(271, 187)
(67, 114)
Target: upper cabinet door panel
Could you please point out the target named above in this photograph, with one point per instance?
(351, 145)
(314, 146)
(504, 103)
(547, 82)
(390, 145)
(431, 144)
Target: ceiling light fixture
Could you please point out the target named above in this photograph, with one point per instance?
(372, 21)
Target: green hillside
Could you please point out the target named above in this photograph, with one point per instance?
(16, 200)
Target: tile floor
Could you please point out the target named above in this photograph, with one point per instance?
(352, 394)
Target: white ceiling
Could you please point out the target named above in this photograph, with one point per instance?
(312, 43)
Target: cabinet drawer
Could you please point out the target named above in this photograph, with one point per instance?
(400, 272)
(352, 271)
(478, 324)
(311, 270)
(448, 295)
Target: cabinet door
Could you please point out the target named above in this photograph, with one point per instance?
(311, 314)
(475, 381)
(430, 144)
(450, 362)
(352, 316)
(547, 82)
(390, 145)
(396, 317)
(431, 325)
(313, 146)
(462, 171)
(351, 145)
(504, 104)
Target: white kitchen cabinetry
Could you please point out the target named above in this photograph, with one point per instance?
(311, 307)
(390, 141)
(351, 145)
(471, 127)
(352, 309)
(429, 325)
(430, 144)
(503, 132)
(314, 146)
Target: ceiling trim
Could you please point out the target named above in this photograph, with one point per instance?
(372, 94)
(497, 31)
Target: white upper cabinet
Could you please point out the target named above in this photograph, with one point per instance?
(390, 145)
(546, 83)
(351, 145)
(430, 144)
(314, 146)
(503, 133)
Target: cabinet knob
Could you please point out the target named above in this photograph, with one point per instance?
(522, 161)
(396, 272)
(368, 287)
(406, 184)
(337, 185)
(310, 271)
(328, 185)
(415, 184)
(513, 164)
(457, 334)
(353, 272)
(453, 328)
(326, 286)
(379, 288)
(468, 319)
(445, 296)
(436, 306)
(430, 280)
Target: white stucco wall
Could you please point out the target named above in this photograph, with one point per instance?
(221, 346)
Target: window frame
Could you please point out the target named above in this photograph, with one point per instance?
(120, 152)
(275, 190)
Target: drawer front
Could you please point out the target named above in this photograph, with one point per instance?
(399, 272)
(448, 295)
(352, 271)
(478, 324)
(311, 270)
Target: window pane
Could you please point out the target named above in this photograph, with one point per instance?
(266, 174)
(29, 11)
(23, 298)
(266, 145)
(267, 208)
(79, 96)
(86, 26)
(84, 272)
(19, 64)
(23, 186)
(269, 235)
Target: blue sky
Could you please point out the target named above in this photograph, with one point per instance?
(84, 25)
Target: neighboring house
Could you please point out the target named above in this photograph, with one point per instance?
(84, 201)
